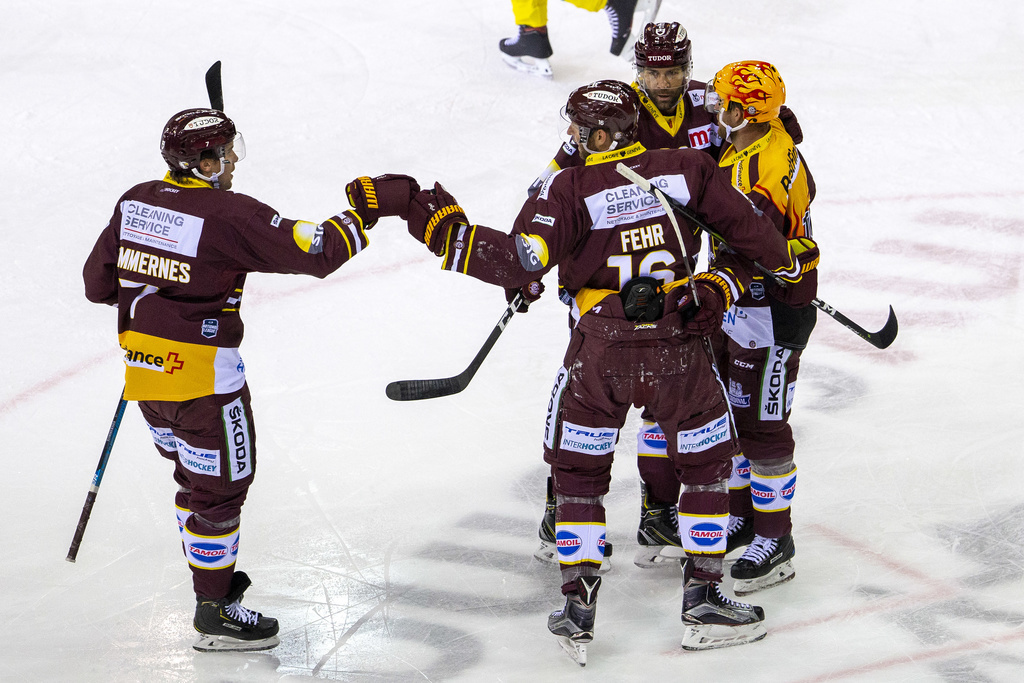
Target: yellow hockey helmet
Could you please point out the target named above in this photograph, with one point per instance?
(756, 86)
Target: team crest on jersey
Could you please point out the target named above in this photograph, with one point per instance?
(696, 97)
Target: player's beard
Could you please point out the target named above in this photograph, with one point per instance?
(666, 100)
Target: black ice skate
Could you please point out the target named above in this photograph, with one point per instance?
(225, 625)
(765, 563)
(625, 26)
(741, 533)
(528, 51)
(574, 623)
(658, 534)
(548, 550)
(713, 620)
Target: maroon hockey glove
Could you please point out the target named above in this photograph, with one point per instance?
(715, 299)
(431, 214)
(531, 292)
(792, 126)
(802, 251)
(385, 195)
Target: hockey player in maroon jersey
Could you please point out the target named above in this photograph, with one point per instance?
(173, 259)
(672, 115)
(767, 328)
(637, 341)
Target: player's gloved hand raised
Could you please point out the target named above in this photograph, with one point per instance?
(431, 214)
(384, 195)
(531, 291)
(715, 299)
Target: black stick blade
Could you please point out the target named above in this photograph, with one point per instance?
(417, 389)
(887, 335)
(213, 87)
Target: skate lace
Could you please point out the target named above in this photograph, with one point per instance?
(239, 613)
(727, 601)
(760, 550)
(735, 524)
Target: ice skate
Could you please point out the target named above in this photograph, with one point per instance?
(528, 51)
(548, 550)
(658, 534)
(225, 625)
(574, 623)
(765, 563)
(713, 620)
(627, 19)
(741, 533)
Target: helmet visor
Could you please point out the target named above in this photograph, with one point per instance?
(712, 100)
(237, 147)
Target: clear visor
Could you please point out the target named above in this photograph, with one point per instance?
(665, 78)
(712, 100)
(236, 147)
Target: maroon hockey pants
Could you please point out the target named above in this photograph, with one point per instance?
(212, 441)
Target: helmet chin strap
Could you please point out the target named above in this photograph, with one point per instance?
(214, 179)
(729, 130)
(585, 138)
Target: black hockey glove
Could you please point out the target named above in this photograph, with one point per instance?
(385, 195)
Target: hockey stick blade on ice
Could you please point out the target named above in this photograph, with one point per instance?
(417, 389)
(880, 339)
(90, 498)
(213, 87)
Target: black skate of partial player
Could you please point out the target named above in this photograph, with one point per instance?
(574, 623)
(528, 51)
(225, 625)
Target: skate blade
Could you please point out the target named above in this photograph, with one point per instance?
(714, 636)
(536, 67)
(643, 14)
(207, 643)
(781, 574)
(655, 556)
(548, 554)
(575, 649)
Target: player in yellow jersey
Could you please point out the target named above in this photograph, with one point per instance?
(765, 330)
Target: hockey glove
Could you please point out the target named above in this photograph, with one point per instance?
(792, 126)
(715, 299)
(431, 214)
(531, 292)
(384, 195)
(804, 256)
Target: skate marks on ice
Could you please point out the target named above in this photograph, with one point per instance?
(945, 265)
(968, 628)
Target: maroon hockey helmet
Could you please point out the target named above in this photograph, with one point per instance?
(191, 132)
(610, 105)
(662, 45)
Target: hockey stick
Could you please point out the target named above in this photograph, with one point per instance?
(213, 87)
(416, 389)
(90, 498)
(880, 339)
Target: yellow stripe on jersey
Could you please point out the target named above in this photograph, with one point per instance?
(348, 242)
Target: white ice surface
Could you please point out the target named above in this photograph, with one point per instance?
(394, 540)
